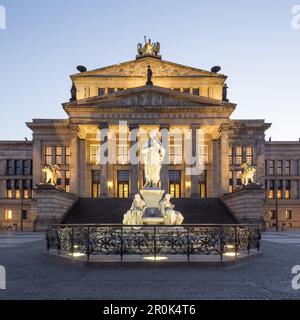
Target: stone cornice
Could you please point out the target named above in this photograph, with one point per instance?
(160, 68)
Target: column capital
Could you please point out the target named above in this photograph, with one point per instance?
(194, 126)
(133, 126)
(74, 128)
(164, 126)
(103, 125)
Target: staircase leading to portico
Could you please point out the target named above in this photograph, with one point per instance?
(111, 210)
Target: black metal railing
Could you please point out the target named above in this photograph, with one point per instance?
(154, 241)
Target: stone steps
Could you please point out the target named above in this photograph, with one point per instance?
(111, 210)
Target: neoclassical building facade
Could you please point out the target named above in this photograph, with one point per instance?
(175, 99)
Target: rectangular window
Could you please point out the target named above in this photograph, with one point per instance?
(249, 155)
(10, 167)
(175, 150)
(67, 155)
(67, 181)
(48, 154)
(272, 214)
(58, 155)
(111, 90)
(8, 215)
(177, 89)
(18, 167)
(288, 214)
(96, 183)
(120, 89)
(186, 90)
(95, 154)
(238, 155)
(288, 189)
(288, 167)
(271, 167)
(279, 167)
(17, 189)
(196, 91)
(9, 194)
(27, 167)
(101, 91)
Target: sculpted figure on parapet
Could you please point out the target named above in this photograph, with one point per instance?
(171, 216)
(134, 215)
(248, 174)
(51, 171)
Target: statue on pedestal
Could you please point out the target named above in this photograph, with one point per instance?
(171, 217)
(149, 48)
(153, 155)
(51, 173)
(134, 215)
(248, 174)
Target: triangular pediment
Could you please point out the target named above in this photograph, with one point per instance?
(138, 68)
(149, 97)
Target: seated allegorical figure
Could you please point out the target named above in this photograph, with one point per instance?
(134, 215)
(171, 217)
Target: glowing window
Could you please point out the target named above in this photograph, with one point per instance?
(95, 154)
(238, 155)
(8, 215)
(48, 154)
(249, 155)
(58, 155)
(67, 155)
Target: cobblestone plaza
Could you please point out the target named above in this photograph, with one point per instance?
(32, 275)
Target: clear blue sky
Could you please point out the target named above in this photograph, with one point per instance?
(253, 41)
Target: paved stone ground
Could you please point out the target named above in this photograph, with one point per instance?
(32, 275)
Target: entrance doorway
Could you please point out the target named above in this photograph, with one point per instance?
(202, 187)
(123, 184)
(175, 183)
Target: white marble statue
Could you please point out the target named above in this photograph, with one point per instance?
(171, 217)
(51, 173)
(153, 155)
(134, 215)
(248, 174)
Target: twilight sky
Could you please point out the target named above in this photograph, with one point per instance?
(253, 41)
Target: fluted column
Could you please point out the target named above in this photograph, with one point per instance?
(74, 161)
(195, 177)
(224, 160)
(164, 174)
(103, 167)
(134, 167)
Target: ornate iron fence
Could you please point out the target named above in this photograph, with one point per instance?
(120, 240)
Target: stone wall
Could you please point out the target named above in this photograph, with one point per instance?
(247, 204)
(51, 205)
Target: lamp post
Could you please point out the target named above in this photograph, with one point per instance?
(276, 201)
(22, 195)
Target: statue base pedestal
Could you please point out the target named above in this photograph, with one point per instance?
(152, 197)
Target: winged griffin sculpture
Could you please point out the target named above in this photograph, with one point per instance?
(51, 173)
(248, 174)
(149, 48)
